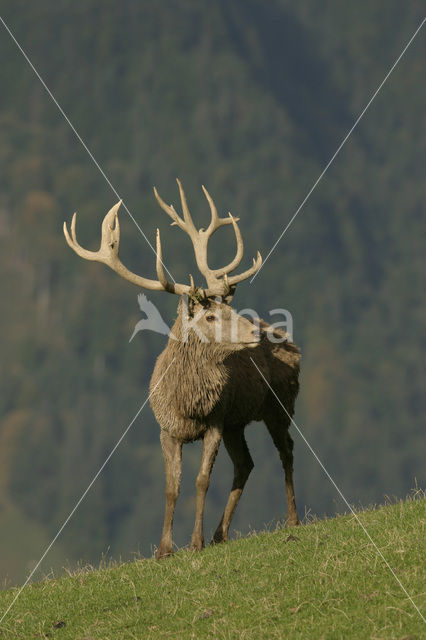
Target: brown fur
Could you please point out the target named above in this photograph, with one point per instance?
(212, 390)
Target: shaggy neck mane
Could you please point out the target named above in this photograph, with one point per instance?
(199, 372)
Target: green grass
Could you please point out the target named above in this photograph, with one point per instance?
(321, 580)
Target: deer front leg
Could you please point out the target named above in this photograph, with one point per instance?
(172, 452)
(237, 448)
(211, 444)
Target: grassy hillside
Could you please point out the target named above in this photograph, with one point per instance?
(250, 98)
(322, 580)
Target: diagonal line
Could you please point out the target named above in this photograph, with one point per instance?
(83, 496)
(341, 495)
(90, 154)
(339, 148)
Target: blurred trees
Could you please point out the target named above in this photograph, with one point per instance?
(251, 100)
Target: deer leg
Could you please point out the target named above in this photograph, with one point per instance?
(172, 452)
(237, 448)
(284, 444)
(211, 444)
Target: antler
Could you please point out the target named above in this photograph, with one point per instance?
(200, 239)
(108, 254)
(218, 283)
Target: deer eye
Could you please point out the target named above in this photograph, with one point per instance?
(210, 318)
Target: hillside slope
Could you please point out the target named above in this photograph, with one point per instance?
(250, 98)
(322, 580)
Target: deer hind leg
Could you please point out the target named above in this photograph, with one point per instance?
(211, 444)
(238, 451)
(278, 428)
(172, 452)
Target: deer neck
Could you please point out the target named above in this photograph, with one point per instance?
(202, 374)
(193, 349)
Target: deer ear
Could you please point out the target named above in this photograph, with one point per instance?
(188, 305)
(228, 298)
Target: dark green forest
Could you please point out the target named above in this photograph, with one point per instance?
(251, 99)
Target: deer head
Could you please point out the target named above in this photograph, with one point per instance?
(219, 283)
(212, 321)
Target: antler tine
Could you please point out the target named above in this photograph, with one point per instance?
(189, 223)
(168, 286)
(239, 255)
(108, 254)
(73, 233)
(215, 218)
(257, 263)
(109, 242)
(170, 210)
(215, 222)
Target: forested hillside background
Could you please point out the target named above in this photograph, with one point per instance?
(251, 99)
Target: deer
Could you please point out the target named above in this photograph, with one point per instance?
(218, 372)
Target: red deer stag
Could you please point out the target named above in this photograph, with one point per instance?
(205, 384)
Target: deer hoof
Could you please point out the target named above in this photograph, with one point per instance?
(196, 545)
(218, 538)
(163, 553)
